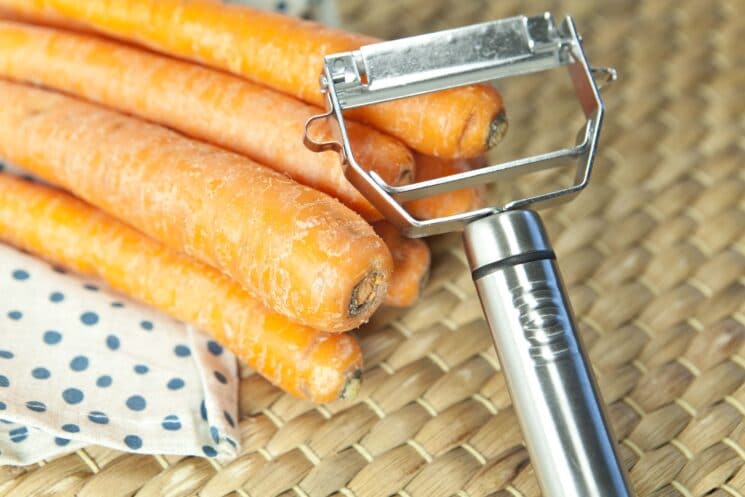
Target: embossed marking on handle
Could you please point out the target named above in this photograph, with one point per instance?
(543, 321)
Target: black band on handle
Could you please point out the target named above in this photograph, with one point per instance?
(514, 260)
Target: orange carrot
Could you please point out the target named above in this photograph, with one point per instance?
(411, 260)
(285, 54)
(307, 363)
(444, 204)
(23, 13)
(210, 105)
(302, 253)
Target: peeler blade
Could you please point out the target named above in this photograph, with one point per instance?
(446, 59)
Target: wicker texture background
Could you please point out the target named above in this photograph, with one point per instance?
(654, 256)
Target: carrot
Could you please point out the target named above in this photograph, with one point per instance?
(285, 54)
(213, 106)
(444, 204)
(25, 14)
(411, 259)
(307, 363)
(302, 253)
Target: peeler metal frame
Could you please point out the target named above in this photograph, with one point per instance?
(513, 265)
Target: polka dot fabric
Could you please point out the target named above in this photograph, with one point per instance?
(80, 365)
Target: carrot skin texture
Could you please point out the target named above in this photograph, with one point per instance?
(444, 204)
(23, 13)
(300, 252)
(286, 54)
(411, 262)
(203, 103)
(307, 363)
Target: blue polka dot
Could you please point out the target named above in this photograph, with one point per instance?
(3, 406)
(92, 288)
(221, 377)
(41, 373)
(98, 417)
(229, 418)
(171, 423)
(61, 441)
(232, 442)
(146, 325)
(5, 421)
(203, 411)
(133, 442)
(15, 315)
(182, 351)
(136, 403)
(117, 304)
(36, 406)
(209, 451)
(56, 297)
(71, 428)
(141, 369)
(18, 435)
(52, 337)
(79, 363)
(214, 434)
(112, 342)
(20, 275)
(6, 354)
(89, 318)
(104, 381)
(175, 383)
(72, 396)
(214, 347)
(4, 381)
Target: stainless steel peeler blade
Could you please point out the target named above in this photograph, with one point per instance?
(513, 265)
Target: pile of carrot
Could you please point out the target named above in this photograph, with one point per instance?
(305, 362)
(193, 191)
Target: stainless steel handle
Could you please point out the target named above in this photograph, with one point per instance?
(553, 390)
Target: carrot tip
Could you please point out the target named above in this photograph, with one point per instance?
(423, 281)
(406, 177)
(497, 129)
(352, 386)
(365, 293)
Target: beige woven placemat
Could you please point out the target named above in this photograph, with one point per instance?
(654, 257)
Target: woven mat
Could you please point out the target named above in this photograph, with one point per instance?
(654, 257)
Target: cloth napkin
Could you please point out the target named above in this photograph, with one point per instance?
(81, 364)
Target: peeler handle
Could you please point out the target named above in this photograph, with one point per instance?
(552, 386)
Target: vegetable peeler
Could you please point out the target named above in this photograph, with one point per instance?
(513, 265)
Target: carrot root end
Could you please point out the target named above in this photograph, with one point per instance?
(352, 386)
(406, 177)
(424, 280)
(365, 293)
(497, 129)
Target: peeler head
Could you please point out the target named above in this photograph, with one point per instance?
(436, 61)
